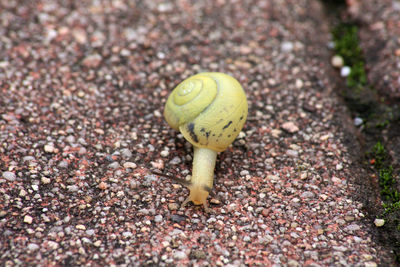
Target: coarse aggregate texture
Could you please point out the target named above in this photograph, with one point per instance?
(380, 40)
(83, 86)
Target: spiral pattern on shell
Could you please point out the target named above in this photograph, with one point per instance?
(209, 109)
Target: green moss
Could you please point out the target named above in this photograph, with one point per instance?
(347, 45)
(387, 181)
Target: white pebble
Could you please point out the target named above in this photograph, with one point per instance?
(157, 113)
(113, 165)
(345, 71)
(158, 218)
(287, 46)
(28, 219)
(9, 176)
(90, 232)
(130, 165)
(126, 153)
(80, 227)
(33, 247)
(22, 193)
(290, 127)
(292, 153)
(164, 153)
(370, 264)
(49, 148)
(379, 222)
(307, 194)
(244, 173)
(358, 121)
(127, 234)
(175, 161)
(337, 61)
(339, 166)
(179, 255)
(72, 188)
(45, 180)
(52, 245)
(353, 227)
(299, 83)
(246, 238)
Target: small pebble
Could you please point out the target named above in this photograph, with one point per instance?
(276, 133)
(63, 164)
(337, 61)
(173, 206)
(102, 186)
(340, 248)
(49, 148)
(129, 165)
(379, 222)
(90, 232)
(28, 219)
(9, 176)
(22, 193)
(287, 46)
(179, 255)
(28, 158)
(244, 172)
(370, 264)
(345, 71)
(290, 127)
(292, 153)
(52, 245)
(33, 247)
(72, 188)
(80, 35)
(158, 218)
(126, 153)
(352, 227)
(307, 194)
(45, 180)
(92, 61)
(175, 161)
(127, 234)
(177, 218)
(164, 153)
(358, 121)
(113, 165)
(80, 227)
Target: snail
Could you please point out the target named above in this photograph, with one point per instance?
(209, 109)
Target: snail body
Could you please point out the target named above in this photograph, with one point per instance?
(209, 109)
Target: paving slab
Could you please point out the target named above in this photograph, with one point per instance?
(380, 40)
(83, 85)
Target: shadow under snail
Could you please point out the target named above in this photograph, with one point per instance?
(209, 109)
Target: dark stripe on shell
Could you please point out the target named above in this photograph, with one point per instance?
(192, 133)
(226, 126)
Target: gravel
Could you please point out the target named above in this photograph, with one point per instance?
(82, 90)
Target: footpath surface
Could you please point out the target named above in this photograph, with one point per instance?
(82, 90)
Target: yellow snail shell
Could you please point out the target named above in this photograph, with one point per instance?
(209, 109)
